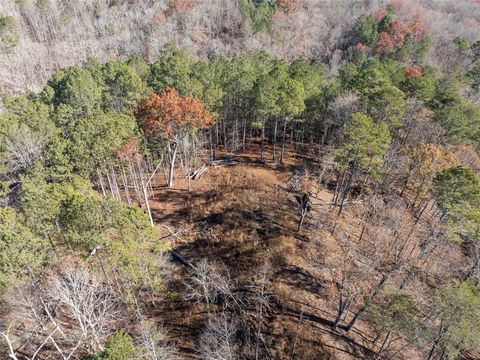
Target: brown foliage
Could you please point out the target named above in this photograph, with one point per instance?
(129, 150)
(413, 71)
(169, 114)
(287, 6)
(467, 156)
(417, 28)
(425, 161)
(385, 43)
(398, 31)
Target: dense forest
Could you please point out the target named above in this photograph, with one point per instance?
(230, 180)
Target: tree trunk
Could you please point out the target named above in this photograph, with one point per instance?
(125, 187)
(292, 356)
(212, 145)
(133, 174)
(262, 146)
(367, 302)
(110, 185)
(259, 324)
(346, 190)
(145, 197)
(100, 179)
(115, 184)
(342, 306)
(274, 138)
(244, 133)
(282, 154)
(172, 149)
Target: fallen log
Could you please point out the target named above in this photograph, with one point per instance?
(181, 259)
(195, 174)
(223, 162)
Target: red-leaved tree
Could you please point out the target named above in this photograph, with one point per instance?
(172, 118)
(413, 71)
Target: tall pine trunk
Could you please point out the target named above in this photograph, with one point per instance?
(262, 146)
(274, 138)
(282, 154)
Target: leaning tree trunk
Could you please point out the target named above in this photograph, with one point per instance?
(342, 307)
(367, 302)
(347, 188)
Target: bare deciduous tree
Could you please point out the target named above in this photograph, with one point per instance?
(218, 339)
(154, 343)
(69, 310)
(206, 285)
(23, 148)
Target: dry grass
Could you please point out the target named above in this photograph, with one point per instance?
(237, 218)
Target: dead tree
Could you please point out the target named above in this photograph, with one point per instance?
(218, 340)
(262, 299)
(69, 311)
(304, 206)
(154, 344)
(206, 285)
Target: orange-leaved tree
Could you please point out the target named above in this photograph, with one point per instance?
(172, 118)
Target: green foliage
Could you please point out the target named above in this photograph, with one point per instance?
(22, 253)
(139, 65)
(43, 5)
(462, 44)
(373, 81)
(276, 93)
(26, 118)
(71, 215)
(394, 313)
(385, 22)
(41, 200)
(239, 75)
(366, 30)
(446, 94)
(474, 76)
(76, 94)
(29, 110)
(95, 68)
(455, 186)
(173, 70)
(309, 75)
(457, 307)
(94, 140)
(461, 122)
(138, 255)
(422, 87)
(86, 221)
(421, 49)
(124, 86)
(6, 22)
(211, 93)
(365, 143)
(8, 36)
(291, 97)
(258, 13)
(395, 70)
(119, 346)
(457, 190)
(265, 96)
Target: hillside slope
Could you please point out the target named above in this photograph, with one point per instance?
(51, 34)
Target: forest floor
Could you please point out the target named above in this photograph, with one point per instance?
(237, 217)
